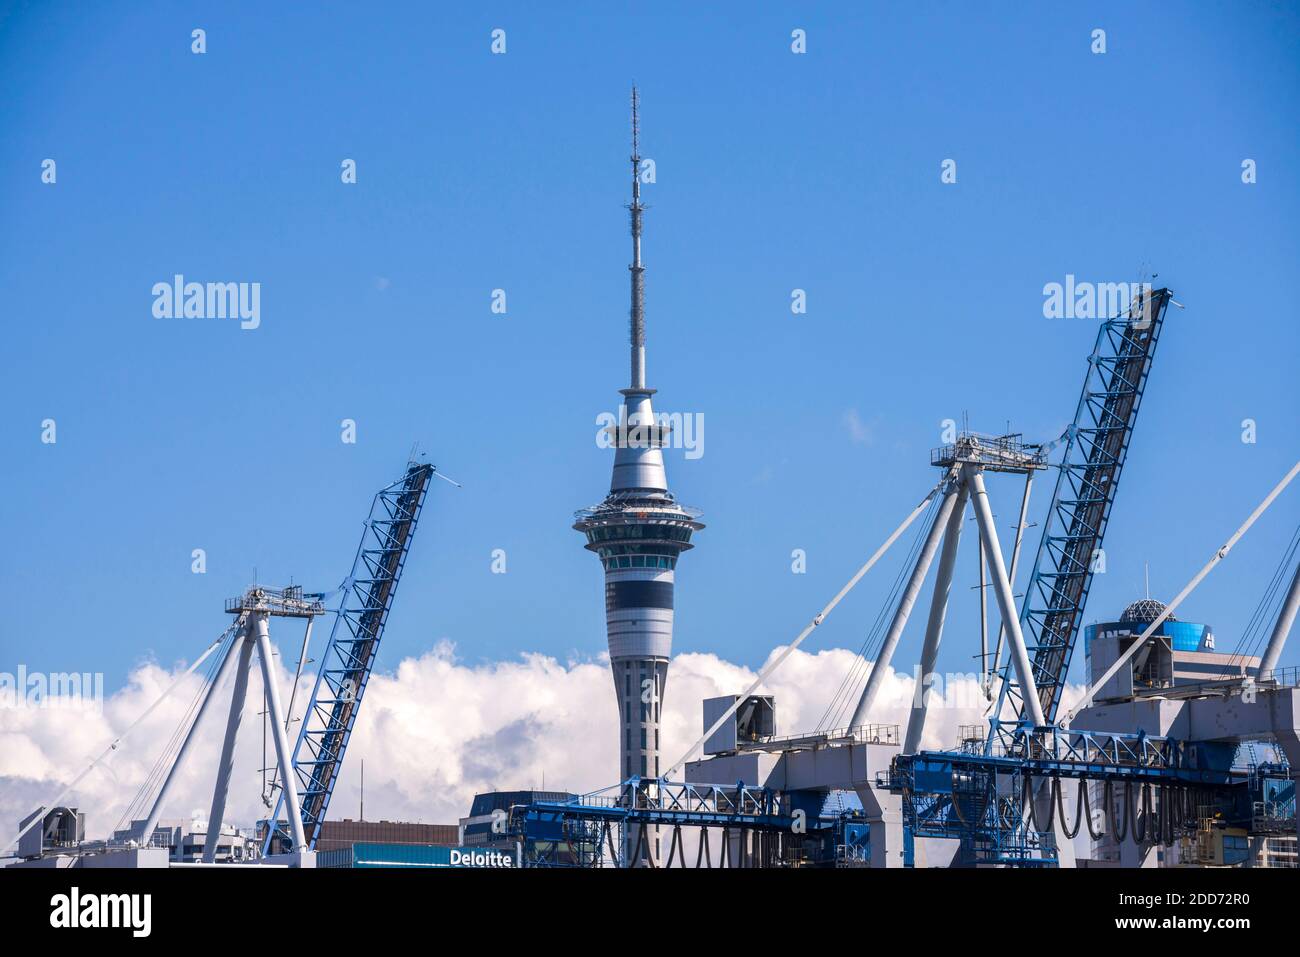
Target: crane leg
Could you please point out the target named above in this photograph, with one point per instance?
(282, 754)
(934, 626)
(1002, 591)
(152, 821)
(1285, 619)
(904, 610)
(227, 762)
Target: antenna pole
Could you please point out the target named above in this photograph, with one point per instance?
(637, 270)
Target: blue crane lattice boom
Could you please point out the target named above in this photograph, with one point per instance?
(1096, 445)
(354, 641)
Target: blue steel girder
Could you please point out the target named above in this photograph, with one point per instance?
(1096, 446)
(646, 801)
(661, 816)
(1095, 755)
(976, 797)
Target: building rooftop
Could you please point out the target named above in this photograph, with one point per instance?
(1143, 612)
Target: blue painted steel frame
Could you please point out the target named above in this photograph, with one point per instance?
(936, 785)
(1095, 449)
(354, 642)
(647, 801)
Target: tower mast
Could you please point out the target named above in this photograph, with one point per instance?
(637, 313)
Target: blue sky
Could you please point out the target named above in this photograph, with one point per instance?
(775, 171)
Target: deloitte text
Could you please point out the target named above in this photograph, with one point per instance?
(464, 858)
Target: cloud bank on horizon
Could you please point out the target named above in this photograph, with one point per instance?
(432, 733)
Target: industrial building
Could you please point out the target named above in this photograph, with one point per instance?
(345, 833)
(487, 827)
(1178, 654)
(59, 840)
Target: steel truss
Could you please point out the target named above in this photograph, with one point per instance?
(1096, 445)
(987, 798)
(354, 641)
(756, 824)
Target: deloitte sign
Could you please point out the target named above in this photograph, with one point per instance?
(415, 855)
(468, 857)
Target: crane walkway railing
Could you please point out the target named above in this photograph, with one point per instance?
(861, 734)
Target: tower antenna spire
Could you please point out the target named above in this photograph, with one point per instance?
(637, 314)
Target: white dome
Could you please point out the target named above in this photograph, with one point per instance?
(1144, 611)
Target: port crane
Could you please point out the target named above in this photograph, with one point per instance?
(1096, 446)
(367, 597)
(306, 776)
(1004, 801)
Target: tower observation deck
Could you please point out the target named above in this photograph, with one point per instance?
(638, 531)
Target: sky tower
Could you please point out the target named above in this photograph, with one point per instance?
(638, 531)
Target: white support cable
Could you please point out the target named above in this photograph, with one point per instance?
(1187, 590)
(144, 794)
(834, 716)
(906, 602)
(116, 742)
(437, 474)
(821, 616)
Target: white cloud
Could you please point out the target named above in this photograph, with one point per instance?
(860, 433)
(432, 733)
